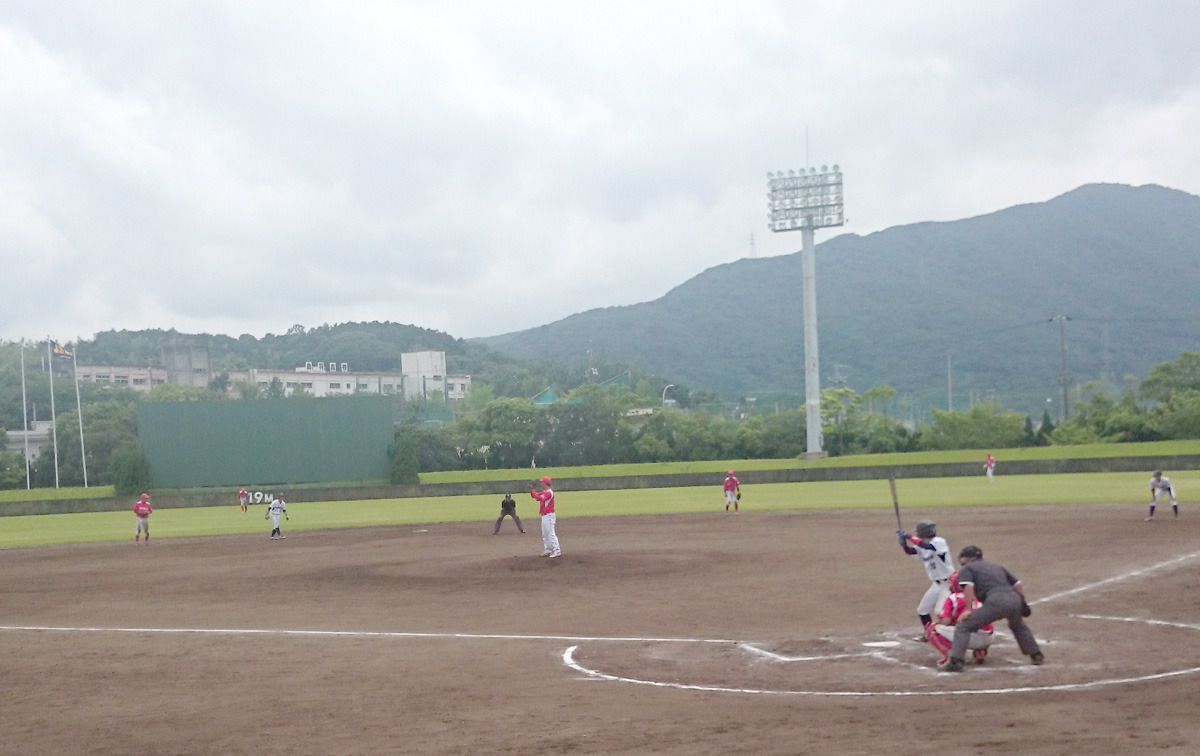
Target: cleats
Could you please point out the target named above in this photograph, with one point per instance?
(1037, 659)
(951, 665)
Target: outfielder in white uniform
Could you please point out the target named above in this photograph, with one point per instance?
(276, 508)
(935, 555)
(1159, 485)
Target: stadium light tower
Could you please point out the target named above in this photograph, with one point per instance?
(807, 200)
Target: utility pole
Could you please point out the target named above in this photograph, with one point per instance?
(1062, 350)
(949, 381)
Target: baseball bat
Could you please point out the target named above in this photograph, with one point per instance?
(895, 501)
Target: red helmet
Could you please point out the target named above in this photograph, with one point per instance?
(546, 480)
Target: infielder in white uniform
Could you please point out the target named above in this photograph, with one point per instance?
(935, 555)
(1159, 485)
(276, 508)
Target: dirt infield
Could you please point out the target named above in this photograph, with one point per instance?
(697, 634)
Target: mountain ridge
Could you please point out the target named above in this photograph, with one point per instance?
(893, 303)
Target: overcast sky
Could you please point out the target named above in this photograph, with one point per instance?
(485, 167)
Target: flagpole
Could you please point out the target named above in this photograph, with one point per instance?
(25, 415)
(79, 410)
(53, 417)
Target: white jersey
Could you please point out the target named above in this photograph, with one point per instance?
(277, 507)
(1161, 483)
(935, 555)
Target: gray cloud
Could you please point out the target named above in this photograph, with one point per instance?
(479, 167)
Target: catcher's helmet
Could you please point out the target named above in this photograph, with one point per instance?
(926, 529)
(546, 480)
(954, 586)
(971, 552)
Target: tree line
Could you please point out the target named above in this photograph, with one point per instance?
(603, 425)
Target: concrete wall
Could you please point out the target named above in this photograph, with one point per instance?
(173, 499)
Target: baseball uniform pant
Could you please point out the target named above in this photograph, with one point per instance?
(549, 537)
(941, 637)
(143, 526)
(933, 598)
(998, 605)
(513, 515)
(1159, 493)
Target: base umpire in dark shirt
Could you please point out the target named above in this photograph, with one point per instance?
(1002, 598)
(508, 508)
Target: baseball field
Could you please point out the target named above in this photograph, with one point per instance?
(668, 626)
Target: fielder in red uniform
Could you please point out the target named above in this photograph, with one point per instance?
(733, 492)
(244, 498)
(142, 510)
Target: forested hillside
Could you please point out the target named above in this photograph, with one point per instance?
(1118, 261)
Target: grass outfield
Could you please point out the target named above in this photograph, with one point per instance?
(1150, 449)
(916, 494)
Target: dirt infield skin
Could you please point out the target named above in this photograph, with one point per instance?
(690, 634)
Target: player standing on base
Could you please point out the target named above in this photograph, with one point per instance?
(276, 508)
(733, 492)
(545, 497)
(1159, 485)
(935, 555)
(142, 510)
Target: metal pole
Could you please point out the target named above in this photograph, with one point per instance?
(664, 396)
(1062, 348)
(949, 384)
(79, 410)
(812, 364)
(53, 414)
(25, 415)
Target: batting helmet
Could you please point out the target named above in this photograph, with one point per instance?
(926, 529)
(546, 480)
(971, 552)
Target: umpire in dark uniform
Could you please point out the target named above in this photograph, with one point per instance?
(1002, 598)
(508, 508)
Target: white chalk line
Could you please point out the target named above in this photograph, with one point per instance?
(569, 660)
(1117, 578)
(754, 649)
(360, 634)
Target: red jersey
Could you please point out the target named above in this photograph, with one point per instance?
(953, 607)
(545, 501)
(731, 483)
(243, 495)
(142, 509)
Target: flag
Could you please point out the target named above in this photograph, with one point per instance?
(60, 351)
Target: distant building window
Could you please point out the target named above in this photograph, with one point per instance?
(437, 377)
(158, 381)
(139, 381)
(264, 384)
(121, 380)
(388, 388)
(101, 379)
(335, 387)
(199, 371)
(307, 384)
(291, 384)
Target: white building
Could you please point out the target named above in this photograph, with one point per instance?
(423, 376)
